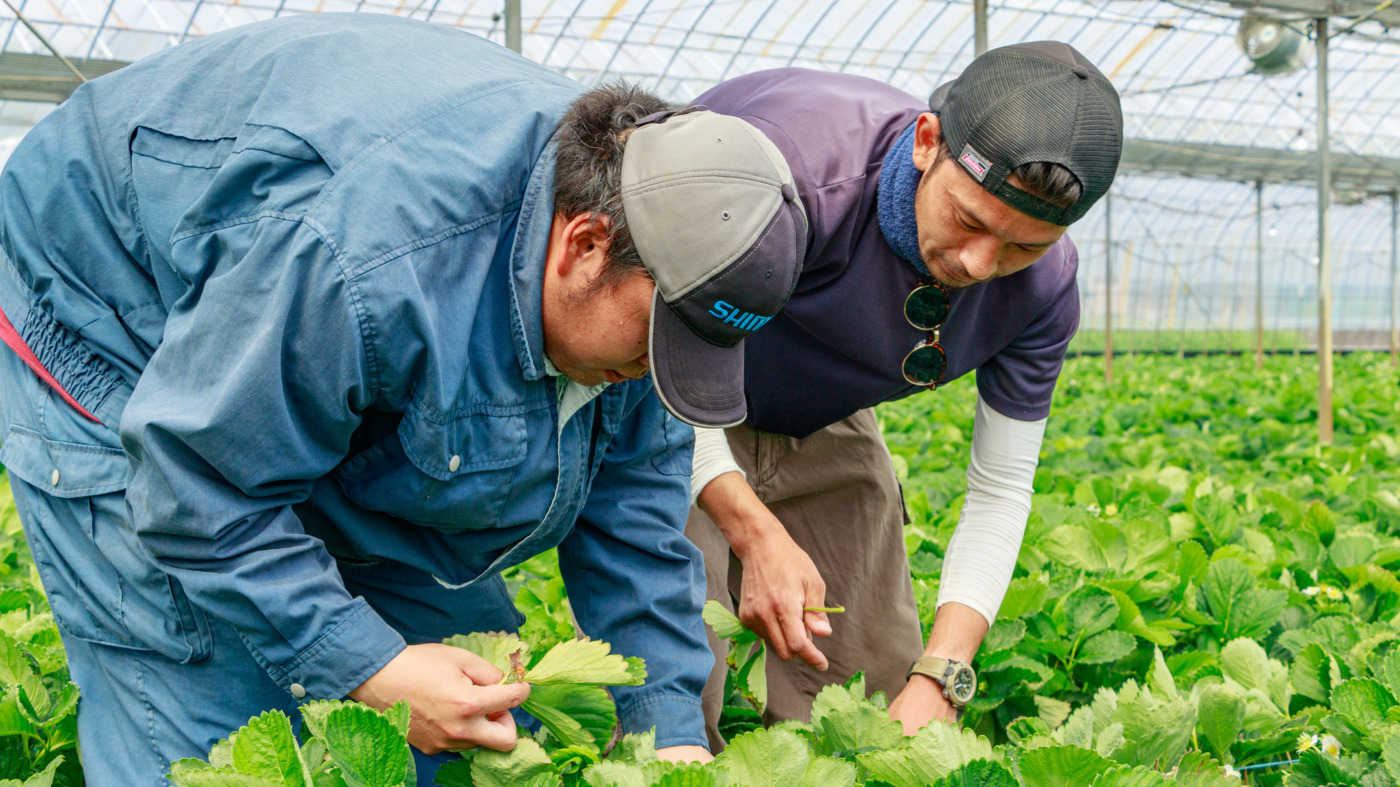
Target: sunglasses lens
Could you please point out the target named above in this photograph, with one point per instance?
(926, 307)
(925, 364)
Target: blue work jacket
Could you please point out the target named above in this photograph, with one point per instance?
(299, 264)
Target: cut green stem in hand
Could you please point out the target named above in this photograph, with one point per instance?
(823, 609)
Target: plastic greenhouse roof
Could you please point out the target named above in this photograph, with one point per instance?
(1176, 64)
(1182, 78)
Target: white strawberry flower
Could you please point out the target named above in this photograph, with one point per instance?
(1331, 746)
(1230, 771)
(1307, 742)
(1332, 593)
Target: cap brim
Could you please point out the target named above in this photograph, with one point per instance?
(935, 100)
(700, 383)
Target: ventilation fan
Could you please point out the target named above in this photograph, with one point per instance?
(1272, 46)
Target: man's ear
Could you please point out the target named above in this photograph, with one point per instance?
(928, 132)
(586, 243)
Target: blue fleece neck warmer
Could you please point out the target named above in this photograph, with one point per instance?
(894, 199)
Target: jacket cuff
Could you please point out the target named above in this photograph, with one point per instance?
(342, 658)
(678, 719)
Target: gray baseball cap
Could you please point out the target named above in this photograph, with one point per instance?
(714, 213)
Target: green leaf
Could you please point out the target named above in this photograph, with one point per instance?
(1241, 610)
(934, 752)
(1105, 647)
(752, 677)
(526, 764)
(1244, 662)
(1024, 595)
(1051, 711)
(979, 773)
(1123, 776)
(1319, 520)
(1192, 561)
(266, 747)
(615, 774)
(1159, 677)
(635, 746)
(1390, 755)
(726, 624)
(577, 715)
(1197, 769)
(1155, 732)
(1061, 766)
(1221, 716)
(688, 775)
(1388, 672)
(220, 777)
(1003, 635)
(367, 747)
(1089, 610)
(1076, 548)
(313, 715)
(495, 647)
(1309, 673)
(779, 758)
(585, 661)
(1315, 769)
(1351, 550)
(1364, 702)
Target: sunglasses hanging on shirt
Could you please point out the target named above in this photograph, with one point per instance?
(926, 308)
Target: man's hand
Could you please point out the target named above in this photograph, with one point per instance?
(921, 701)
(779, 580)
(684, 754)
(454, 695)
(957, 633)
(779, 577)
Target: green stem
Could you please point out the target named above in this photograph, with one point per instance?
(823, 609)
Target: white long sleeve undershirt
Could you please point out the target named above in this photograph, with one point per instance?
(981, 555)
(712, 460)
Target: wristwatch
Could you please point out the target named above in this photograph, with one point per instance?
(957, 678)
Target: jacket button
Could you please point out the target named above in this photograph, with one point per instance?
(452, 464)
(54, 477)
(297, 690)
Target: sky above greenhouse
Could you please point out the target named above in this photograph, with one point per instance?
(1176, 64)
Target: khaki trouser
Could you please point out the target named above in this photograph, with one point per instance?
(836, 493)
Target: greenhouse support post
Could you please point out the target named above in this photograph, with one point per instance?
(1108, 288)
(513, 25)
(1324, 246)
(979, 26)
(1394, 279)
(1259, 274)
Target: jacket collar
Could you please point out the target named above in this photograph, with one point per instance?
(527, 258)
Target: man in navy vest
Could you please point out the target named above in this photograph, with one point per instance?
(936, 247)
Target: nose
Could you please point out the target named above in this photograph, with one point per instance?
(979, 257)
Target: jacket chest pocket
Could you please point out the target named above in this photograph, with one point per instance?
(453, 476)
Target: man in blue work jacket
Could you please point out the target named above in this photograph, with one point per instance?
(318, 324)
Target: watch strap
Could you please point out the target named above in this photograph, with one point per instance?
(929, 666)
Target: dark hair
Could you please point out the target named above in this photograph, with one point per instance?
(588, 173)
(1050, 182)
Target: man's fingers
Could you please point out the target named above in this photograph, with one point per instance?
(496, 698)
(817, 623)
(496, 732)
(795, 634)
(481, 671)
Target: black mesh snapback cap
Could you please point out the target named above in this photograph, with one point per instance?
(1037, 101)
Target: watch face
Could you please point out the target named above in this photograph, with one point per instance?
(963, 685)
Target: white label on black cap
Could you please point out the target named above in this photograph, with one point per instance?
(973, 162)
